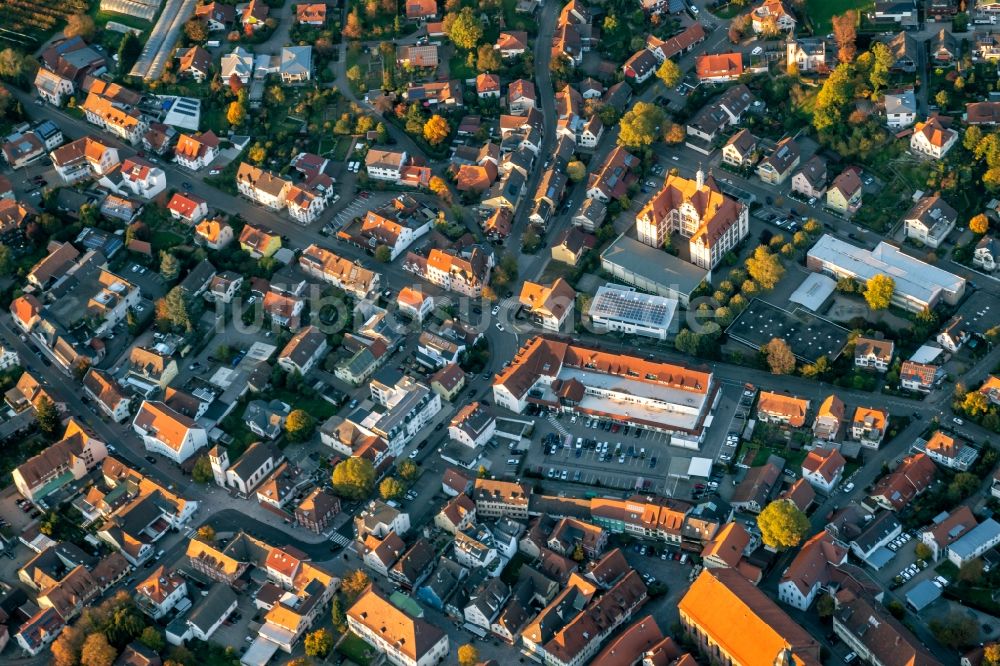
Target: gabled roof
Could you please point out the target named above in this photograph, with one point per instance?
(729, 609)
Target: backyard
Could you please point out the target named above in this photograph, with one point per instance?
(821, 11)
(355, 649)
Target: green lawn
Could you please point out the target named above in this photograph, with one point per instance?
(821, 11)
(316, 406)
(459, 69)
(355, 649)
(164, 240)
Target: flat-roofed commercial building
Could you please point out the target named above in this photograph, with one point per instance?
(919, 285)
(619, 308)
(631, 390)
(652, 270)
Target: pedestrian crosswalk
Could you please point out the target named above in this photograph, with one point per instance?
(557, 425)
(339, 538)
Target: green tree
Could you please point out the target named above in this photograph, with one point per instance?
(172, 310)
(236, 115)
(468, 655)
(975, 403)
(408, 470)
(337, 617)
(576, 170)
(80, 25)
(669, 73)
(825, 606)
(836, 92)
(47, 417)
(318, 643)
(97, 651)
(782, 525)
(170, 267)
(488, 58)
(463, 29)
(879, 290)
(299, 426)
(884, 60)
(12, 64)
(153, 639)
(964, 484)
(923, 551)
(354, 75)
(942, 98)
(196, 30)
(765, 268)
(353, 584)
(390, 488)
(979, 224)
(436, 130)
(129, 51)
(353, 478)
(955, 630)
(641, 125)
(383, 254)
(202, 470)
(780, 358)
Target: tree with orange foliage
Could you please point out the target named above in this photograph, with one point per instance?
(845, 33)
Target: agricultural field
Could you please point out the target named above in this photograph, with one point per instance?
(821, 11)
(24, 21)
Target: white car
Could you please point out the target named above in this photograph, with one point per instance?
(849, 487)
(495, 311)
(499, 326)
(958, 421)
(757, 51)
(413, 454)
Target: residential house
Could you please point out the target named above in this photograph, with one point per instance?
(214, 234)
(421, 10)
(196, 151)
(782, 409)
(905, 51)
(974, 543)
(317, 510)
(311, 14)
(68, 460)
(488, 86)
(932, 138)
(930, 220)
(719, 68)
(810, 180)
(385, 164)
(52, 87)
(143, 179)
(448, 382)
(869, 426)
(521, 97)
(254, 15)
(947, 528)
(414, 303)
(160, 592)
(872, 632)
(217, 16)
(740, 149)
(511, 43)
(777, 167)
(641, 66)
(571, 244)
(911, 478)
(414, 566)
(920, 377)
(324, 265)
(404, 640)
(954, 334)
(811, 570)
(808, 54)
(823, 468)
(772, 16)
(496, 499)
(303, 351)
(844, 195)
(548, 306)
(262, 186)
(102, 388)
(194, 61)
(105, 106)
(472, 426)
(168, 432)
(951, 452)
(829, 419)
(726, 548)
(259, 242)
(188, 208)
(237, 66)
(982, 113)
(611, 180)
(754, 492)
(873, 353)
(84, 158)
(900, 109)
